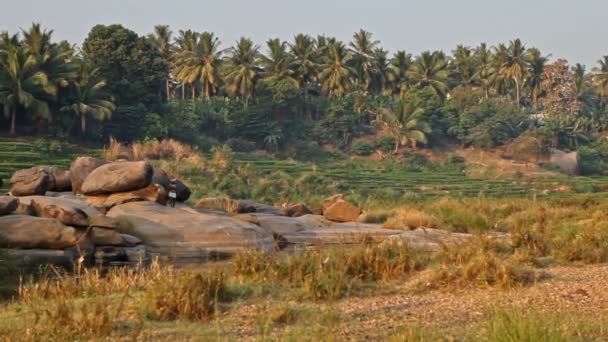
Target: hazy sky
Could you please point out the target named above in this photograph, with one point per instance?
(575, 30)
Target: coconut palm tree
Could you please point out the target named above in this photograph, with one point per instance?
(200, 65)
(162, 40)
(362, 48)
(515, 66)
(335, 73)
(22, 83)
(88, 97)
(430, 69)
(278, 64)
(404, 123)
(242, 68)
(464, 65)
(380, 73)
(305, 60)
(536, 69)
(398, 72)
(487, 73)
(600, 79)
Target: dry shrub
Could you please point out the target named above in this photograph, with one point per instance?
(482, 261)
(185, 295)
(409, 218)
(167, 149)
(459, 216)
(330, 272)
(114, 151)
(587, 245)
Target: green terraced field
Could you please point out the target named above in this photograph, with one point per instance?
(21, 154)
(373, 179)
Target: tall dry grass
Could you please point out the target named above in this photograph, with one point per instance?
(166, 149)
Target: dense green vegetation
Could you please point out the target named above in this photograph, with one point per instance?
(298, 95)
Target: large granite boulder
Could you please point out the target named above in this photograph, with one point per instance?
(27, 232)
(183, 232)
(8, 204)
(118, 177)
(68, 211)
(296, 210)
(30, 260)
(154, 193)
(59, 179)
(80, 169)
(106, 237)
(32, 181)
(331, 200)
(341, 211)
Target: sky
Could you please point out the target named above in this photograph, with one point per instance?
(574, 30)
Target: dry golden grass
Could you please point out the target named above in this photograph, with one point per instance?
(409, 218)
(167, 149)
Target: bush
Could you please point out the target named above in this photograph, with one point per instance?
(185, 295)
(409, 218)
(458, 216)
(362, 147)
(590, 161)
(240, 145)
(385, 144)
(454, 158)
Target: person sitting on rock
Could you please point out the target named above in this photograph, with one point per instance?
(172, 192)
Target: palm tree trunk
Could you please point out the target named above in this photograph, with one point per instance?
(193, 92)
(13, 117)
(83, 123)
(397, 143)
(167, 89)
(183, 91)
(516, 90)
(207, 90)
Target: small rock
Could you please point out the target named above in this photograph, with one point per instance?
(342, 211)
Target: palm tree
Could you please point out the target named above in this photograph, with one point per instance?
(536, 70)
(335, 74)
(161, 39)
(88, 97)
(404, 123)
(22, 83)
(362, 48)
(398, 72)
(242, 68)
(278, 64)
(200, 65)
(304, 60)
(487, 73)
(430, 70)
(600, 79)
(380, 72)
(515, 66)
(465, 67)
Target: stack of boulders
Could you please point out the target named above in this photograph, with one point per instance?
(59, 216)
(115, 212)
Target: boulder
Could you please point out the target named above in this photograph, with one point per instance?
(187, 233)
(80, 169)
(130, 240)
(565, 161)
(68, 211)
(260, 208)
(159, 176)
(118, 177)
(296, 210)
(331, 200)
(229, 205)
(342, 211)
(32, 181)
(27, 232)
(8, 204)
(31, 260)
(60, 179)
(182, 190)
(105, 237)
(154, 193)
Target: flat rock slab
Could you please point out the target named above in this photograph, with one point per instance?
(183, 232)
(8, 204)
(309, 230)
(27, 232)
(33, 259)
(69, 211)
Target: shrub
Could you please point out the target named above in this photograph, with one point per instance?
(385, 144)
(583, 244)
(185, 295)
(454, 158)
(481, 261)
(458, 216)
(240, 145)
(409, 218)
(362, 148)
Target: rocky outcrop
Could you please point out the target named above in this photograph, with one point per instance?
(32, 181)
(27, 232)
(105, 237)
(59, 179)
(8, 204)
(68, 211)
(159, 176)
(80, 169)
(118, 177)
(296, 210)
(187, 233)
(330, 201)
(232, 206)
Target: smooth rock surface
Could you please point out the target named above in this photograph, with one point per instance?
(32, 181)
(27, 232)
(106, 237)
(71, 212)
(154, 193)
(80, 169)
(183, 232)
(27, 260)
(118, 177)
